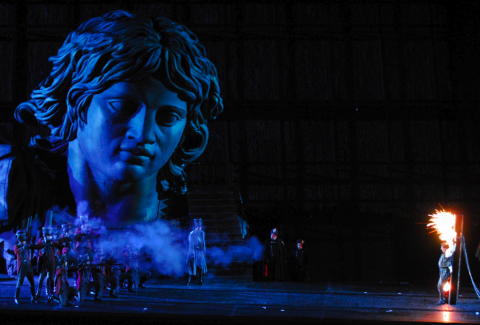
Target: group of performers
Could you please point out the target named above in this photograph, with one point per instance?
(56, 255)
(278, 265)
(59, 255)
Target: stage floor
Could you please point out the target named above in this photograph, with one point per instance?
(239, 300)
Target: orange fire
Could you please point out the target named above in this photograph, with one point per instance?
(446, 286)
(443, 223)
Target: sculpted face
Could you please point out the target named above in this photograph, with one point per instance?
(132, 130)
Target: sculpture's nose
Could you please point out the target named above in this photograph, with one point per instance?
(142, 125)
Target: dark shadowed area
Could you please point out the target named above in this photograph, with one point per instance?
(345, 124)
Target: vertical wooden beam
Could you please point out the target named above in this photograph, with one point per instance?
(457, 263)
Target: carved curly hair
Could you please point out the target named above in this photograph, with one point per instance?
(119, 46)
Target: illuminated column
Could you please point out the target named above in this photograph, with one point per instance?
(457, 262)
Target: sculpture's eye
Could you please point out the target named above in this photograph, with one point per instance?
(168, 116)
(122, 106)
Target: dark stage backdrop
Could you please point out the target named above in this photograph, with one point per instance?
(346, 122)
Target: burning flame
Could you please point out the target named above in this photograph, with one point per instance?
(446, 316)
(443, 223)
(446, 286)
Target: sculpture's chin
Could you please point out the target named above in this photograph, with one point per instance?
(129, 172)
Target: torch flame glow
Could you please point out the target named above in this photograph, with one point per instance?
(446, 286)
(443, 223)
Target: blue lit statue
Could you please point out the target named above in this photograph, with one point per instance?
(122, 113)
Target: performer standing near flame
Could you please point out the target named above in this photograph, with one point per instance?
(196, 256)
(443, 222)
(445, 264)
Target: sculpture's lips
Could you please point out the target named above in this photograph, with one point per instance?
(138, 151)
